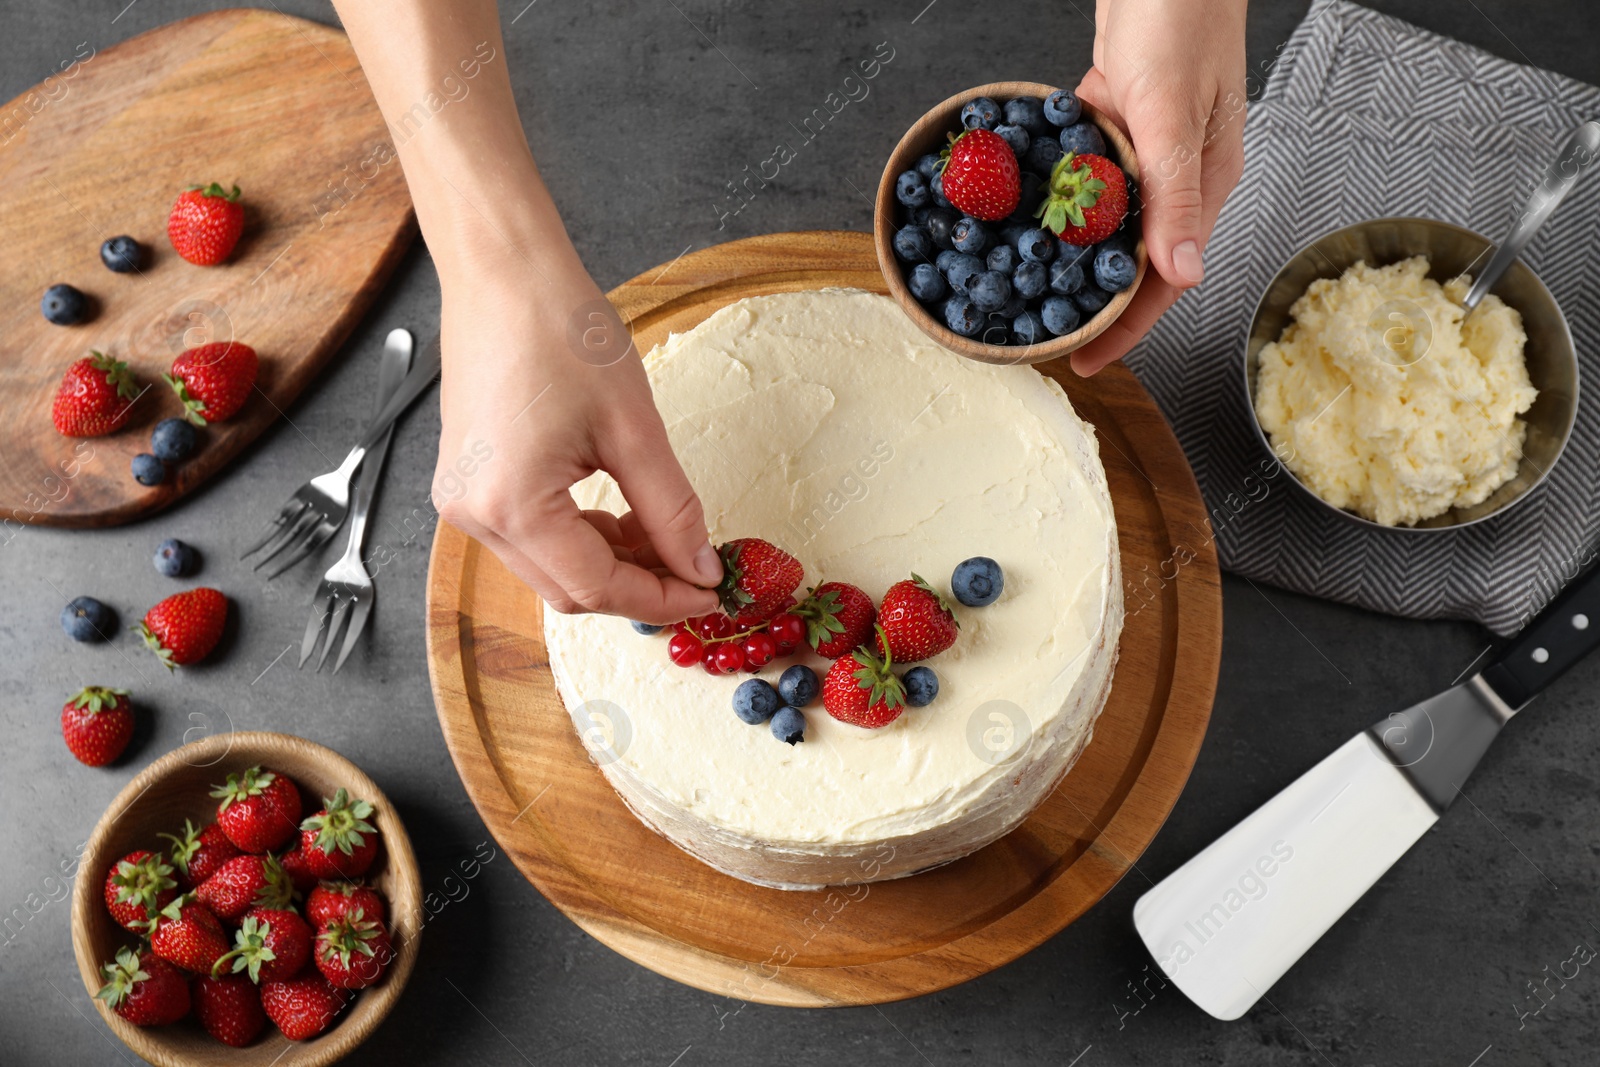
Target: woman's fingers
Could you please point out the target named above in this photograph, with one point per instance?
(1153, 297)
(663, 502)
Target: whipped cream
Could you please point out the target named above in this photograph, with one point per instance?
(826, 423)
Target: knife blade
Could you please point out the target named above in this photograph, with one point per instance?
(1231, 921)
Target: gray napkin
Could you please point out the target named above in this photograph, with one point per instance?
(1436, 123)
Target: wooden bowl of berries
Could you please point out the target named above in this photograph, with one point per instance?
(1006, 223)
(252, 890)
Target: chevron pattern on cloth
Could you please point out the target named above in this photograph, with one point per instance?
(1428, 119)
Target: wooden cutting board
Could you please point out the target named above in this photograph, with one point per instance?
(102, 147)
(570, 834)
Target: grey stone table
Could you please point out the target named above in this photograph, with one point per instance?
(640, 113)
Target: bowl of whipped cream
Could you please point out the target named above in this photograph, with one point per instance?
(1386, 399)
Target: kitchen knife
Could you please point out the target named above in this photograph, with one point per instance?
(1226, 925)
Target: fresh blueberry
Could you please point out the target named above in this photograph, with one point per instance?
(962, 270)
(1083, 137)
(1059, 314)
(1016, 137)
(926, 283)
(996, 330)
(86, 619)
(175, 559)
(1003, 258)
(981, 113)
(1123, 239)
(1113, 269)
(977, 582)
(148, 470)
(1037, 246)
(1042, 155)
(922, 685)
(919, 216)
(789, 726)
(1071, 253)
(989, 290)
(1062, 107)
(941, 220)
(755, 701)
(911, 189)
(1091, 298)
(928, 166)
(913, 244)
(962, 315)
(1027, 112)
(798, 686)
(1013, 307)
(122, 254)
(1012, 231)
(646, 628)
(173, 440)
(970, 235)
(64, 305)
(1030, 280)
(1032, 192)
(936, 190)
(1028, 328)
(946, 259)
(1065, 277)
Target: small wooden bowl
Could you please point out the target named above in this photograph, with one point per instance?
(176, 787)
(929, 135)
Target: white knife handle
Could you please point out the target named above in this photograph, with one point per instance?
(1226, 925)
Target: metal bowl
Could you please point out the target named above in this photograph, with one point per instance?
(1451, 250)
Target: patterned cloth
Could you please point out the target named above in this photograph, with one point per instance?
(1435, 125)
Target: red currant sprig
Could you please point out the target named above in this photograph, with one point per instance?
(714, 642)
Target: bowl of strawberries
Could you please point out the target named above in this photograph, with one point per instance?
(249, 898)
(1007, 224)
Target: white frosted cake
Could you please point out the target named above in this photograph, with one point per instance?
(826, 423)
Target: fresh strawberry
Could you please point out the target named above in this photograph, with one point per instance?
(199, 854)
(94, 397)
(980, 175)
(353, 952)
(145, 990)
(140, 885)
(338, 841)
(260, 809)
(332, 901)
(185, 627)
(861, 690)
(303, 1006)
(96, 724)
(214, 380)
(298, 868)
(914, 622)
(757, 578)
(229, 1007)
(1088, 199)
(270, 945)
(187, 935)
(205, 223)
(245, 882)
(838, 618)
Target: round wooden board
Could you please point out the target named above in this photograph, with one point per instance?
(570, 834)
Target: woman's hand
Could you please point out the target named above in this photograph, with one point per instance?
(542, 387)
(1171, 73)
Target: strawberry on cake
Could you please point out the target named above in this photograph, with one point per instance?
(921, 608)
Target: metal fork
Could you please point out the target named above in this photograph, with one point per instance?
(317, 509)
(346, 590)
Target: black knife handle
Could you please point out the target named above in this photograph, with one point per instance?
(1567, 630)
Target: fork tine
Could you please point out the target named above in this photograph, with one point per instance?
(305, 524)
(316, 539)
(340, 613)
(290, 510)
(320, 609)
(358, 622)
